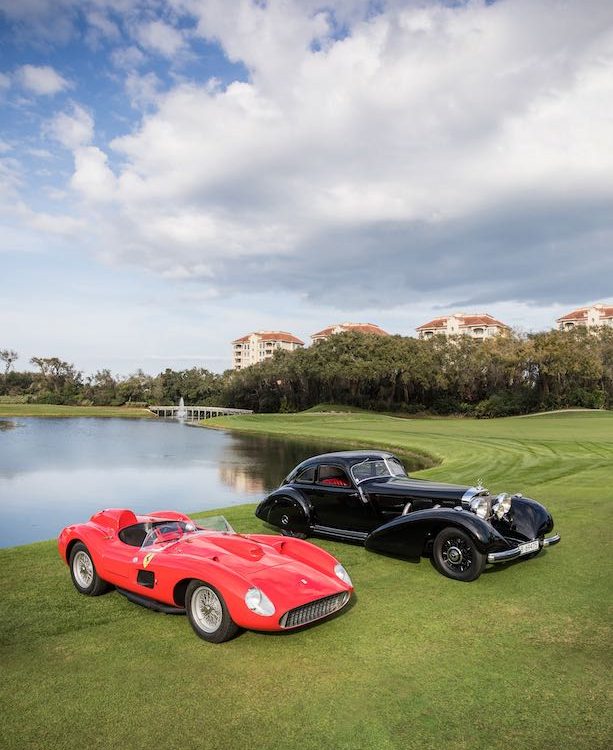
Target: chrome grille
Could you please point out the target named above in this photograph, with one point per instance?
(314, 610)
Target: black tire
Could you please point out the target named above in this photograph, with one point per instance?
(83, 572)
(294, 534)
(456, 556)
(198, 597)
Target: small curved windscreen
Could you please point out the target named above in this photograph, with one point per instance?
(375, 468)
(165, 532)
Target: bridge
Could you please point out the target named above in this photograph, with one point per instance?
(194, 413)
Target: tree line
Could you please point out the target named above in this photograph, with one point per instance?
(496, 377)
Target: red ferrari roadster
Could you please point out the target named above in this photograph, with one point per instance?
(224, 581)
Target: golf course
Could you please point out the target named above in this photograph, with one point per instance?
(521, 658)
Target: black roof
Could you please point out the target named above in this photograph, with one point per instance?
(347, 457)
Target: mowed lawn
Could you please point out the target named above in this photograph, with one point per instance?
(520, 658)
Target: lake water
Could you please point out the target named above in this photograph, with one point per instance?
(54, 472)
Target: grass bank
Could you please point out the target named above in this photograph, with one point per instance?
(55, 410)
(520, 658)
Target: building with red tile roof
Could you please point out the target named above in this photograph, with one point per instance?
(260, 345)
(343, 327)
(590, 317)
(476, 325)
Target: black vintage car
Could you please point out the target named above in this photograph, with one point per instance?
(366, 497)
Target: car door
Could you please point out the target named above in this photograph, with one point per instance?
(337, 506)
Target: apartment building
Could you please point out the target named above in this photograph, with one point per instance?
(590, 317)
(342, 327)
(476, 325)
(260, 345)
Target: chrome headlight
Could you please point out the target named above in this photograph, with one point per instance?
(502, 505)
(257, 601)
(341, 573)
(481, 506)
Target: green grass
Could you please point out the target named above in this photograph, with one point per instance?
(55, 410)
(333, 409)
(520, 658)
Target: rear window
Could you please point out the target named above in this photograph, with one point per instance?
(306, 475)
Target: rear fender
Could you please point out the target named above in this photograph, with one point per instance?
(410, 535)
(286, 508)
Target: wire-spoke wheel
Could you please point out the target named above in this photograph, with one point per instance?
(83, 572)
(455, 555)
(208, 614)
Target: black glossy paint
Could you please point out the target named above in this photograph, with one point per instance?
(393, 515)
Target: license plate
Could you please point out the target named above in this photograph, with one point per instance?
(528, 547)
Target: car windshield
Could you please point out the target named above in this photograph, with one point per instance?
(373, 468)
(165, 532)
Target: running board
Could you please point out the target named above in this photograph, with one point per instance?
(145, 601)
(350, 536)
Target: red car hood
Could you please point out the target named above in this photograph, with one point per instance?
(280, 576)
(237, 552)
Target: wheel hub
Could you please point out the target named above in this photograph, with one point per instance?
(457, 554)
(454, 555)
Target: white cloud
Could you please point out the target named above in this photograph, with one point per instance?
(92, 177)
(41, 79)
(412, 138)
(159, 37)
(127, 58)
(72, 130)
(142, 89)
(428, 150)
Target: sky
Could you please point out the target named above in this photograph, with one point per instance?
(177, 173)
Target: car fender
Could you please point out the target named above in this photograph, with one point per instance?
(91, 535)
(527, 519)
(174, 575)
(286, 508)
(409, 535)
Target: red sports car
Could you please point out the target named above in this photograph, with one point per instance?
(222, 580)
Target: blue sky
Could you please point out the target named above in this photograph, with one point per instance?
(176, 173)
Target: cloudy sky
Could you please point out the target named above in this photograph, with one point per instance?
(176, 173)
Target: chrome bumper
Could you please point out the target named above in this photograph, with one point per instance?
(513, 554)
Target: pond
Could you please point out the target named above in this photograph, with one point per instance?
(54, 472)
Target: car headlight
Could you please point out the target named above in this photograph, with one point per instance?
(257, 601)
(341, 573)
(502, 505)
(481, 506)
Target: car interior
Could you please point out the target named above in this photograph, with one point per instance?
(333, 476)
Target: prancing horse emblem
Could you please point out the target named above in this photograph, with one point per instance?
(148, 558)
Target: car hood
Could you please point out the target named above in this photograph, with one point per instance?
(242, 554)
(280, 576)
(405, 486)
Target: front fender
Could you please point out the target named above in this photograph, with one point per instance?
(409, 536)
(286, 508)
(526, 520)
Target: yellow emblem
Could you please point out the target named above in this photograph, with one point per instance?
(148, 558)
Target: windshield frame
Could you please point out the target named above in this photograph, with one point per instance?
(184, 529)
(385, 459)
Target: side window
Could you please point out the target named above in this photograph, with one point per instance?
(307, 475)
(333, 476)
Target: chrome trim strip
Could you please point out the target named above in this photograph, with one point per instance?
(512, 554)
(336, 532)
(507, 554)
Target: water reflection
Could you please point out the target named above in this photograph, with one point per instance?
(59, 471)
